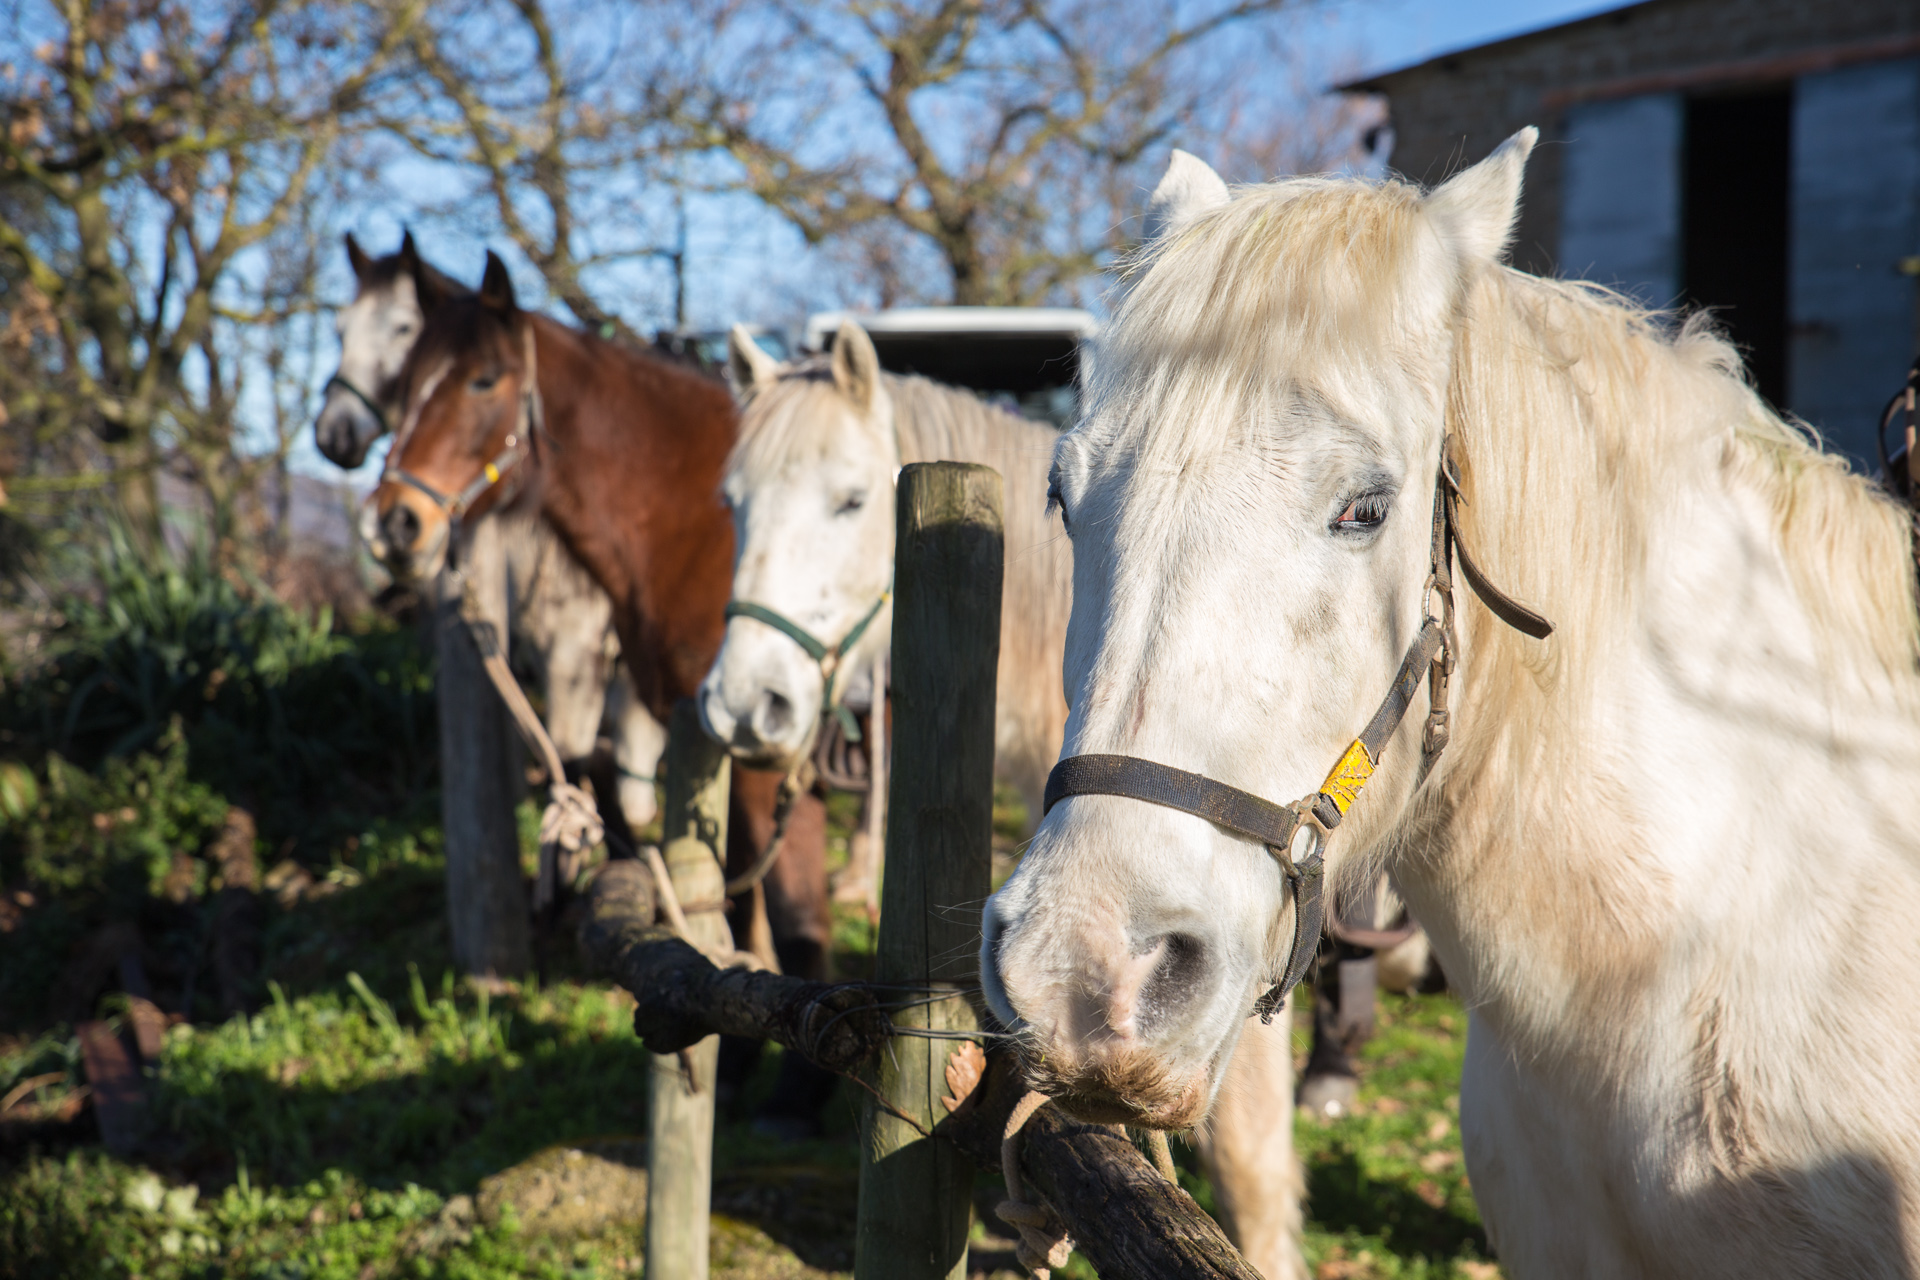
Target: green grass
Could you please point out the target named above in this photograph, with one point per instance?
(1387, 1191)
(348, 1127)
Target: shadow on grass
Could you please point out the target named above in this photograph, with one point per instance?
(1341, 1197)
(445, 1125)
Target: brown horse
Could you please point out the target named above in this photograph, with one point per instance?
(622, 453)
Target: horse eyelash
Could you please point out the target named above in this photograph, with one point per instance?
(1362, 505)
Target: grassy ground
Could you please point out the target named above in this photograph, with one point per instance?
(376, 1118)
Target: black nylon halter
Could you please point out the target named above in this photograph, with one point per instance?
(1295, 835)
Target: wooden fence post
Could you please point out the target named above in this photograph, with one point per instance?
(486, 898)
(693, 834)
(915, 1191)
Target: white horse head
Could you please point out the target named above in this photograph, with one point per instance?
(1667, 855)
(377, 330)
(1249, 494)
(811, 483)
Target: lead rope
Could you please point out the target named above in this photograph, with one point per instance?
(571, 823)
(1043, 1244)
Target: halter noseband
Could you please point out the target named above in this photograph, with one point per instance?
(519, 444)
(1296, 834)
(826, 656)
(379, 415)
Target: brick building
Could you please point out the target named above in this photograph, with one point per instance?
(1761, 157)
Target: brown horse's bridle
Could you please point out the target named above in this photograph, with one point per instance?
(517, 448)
(1296, 834)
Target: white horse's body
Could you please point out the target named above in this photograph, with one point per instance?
(559, 618)
(812, 486)
(1671, 856)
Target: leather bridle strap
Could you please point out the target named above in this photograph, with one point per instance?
(826, 656)
(379, 415)
(1275, 826)
(1502, 605)
(1295, 834)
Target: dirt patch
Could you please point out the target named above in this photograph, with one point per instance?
(572, 1190)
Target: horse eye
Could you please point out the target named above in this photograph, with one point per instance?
(1365, 512)
(1056, 503)
(851, 503)
(484, 382)
(402, 329)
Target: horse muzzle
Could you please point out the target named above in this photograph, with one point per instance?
(345, 430)
(764, 729)
(409, 536)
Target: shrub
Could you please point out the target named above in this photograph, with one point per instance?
(311, 725)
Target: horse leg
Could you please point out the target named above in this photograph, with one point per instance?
(1342, 1022)
(802, 922)
(1247, 1146)
(639, 741)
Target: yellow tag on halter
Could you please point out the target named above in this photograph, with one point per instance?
(1343, 784)
(493, 474)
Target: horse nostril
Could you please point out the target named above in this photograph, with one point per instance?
(773, 717)
(1176, 981)
(401, 526)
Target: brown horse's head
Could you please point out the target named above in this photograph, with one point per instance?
(464, 447)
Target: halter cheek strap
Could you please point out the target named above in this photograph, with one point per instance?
(826, 656)
(1296, 834)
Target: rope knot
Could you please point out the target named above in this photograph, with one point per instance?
(1044, 1244)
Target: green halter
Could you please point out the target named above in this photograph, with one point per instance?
(827, 656)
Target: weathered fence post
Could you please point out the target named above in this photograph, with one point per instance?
(915, 1190)
(486, 899)
(693, 836)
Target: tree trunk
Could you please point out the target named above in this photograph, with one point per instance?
(486, 898)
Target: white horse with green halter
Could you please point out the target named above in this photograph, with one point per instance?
(811, 482)
(1669, 854)
(812, 487)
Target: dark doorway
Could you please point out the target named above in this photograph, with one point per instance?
(1735, 225)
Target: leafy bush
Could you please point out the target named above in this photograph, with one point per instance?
(116, 831)
(310, 725)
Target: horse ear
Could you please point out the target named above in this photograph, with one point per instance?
(748, 362)
(428, 289)
(1474, 211)
(496, 286)
(856, 367)
(1189, 189)
(358, 259)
